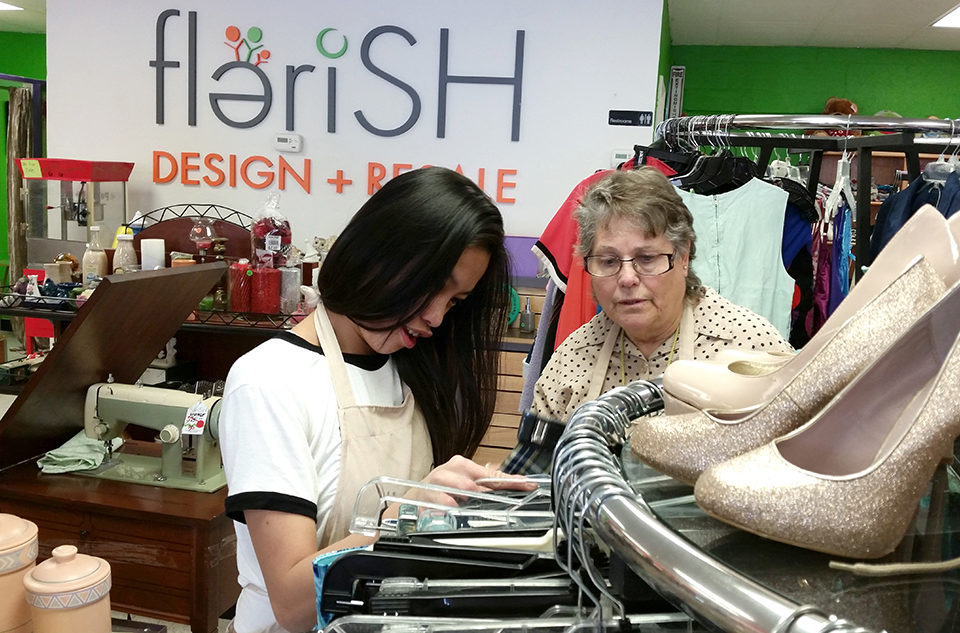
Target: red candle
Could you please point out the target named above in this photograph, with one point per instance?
(239, 283)
(265, 295)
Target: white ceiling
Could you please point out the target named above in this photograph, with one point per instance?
(840, 23)
(33, 18)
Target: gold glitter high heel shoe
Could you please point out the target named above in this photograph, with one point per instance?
(849, 481)
(682, 446)
(695, 385)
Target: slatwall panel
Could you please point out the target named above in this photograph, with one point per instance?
(501, 436)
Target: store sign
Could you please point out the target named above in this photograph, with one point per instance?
(222, 102)
(247, 53)
(630, 117)
(244, 61)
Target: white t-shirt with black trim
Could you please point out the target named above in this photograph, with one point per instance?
(280, 440)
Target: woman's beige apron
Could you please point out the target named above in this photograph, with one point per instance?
(598, 374)
(374, 440)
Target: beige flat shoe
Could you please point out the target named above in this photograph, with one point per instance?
(682, 446)
(849, 481)
(689, 376)
(704, 385)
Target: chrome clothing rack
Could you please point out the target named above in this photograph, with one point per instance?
(590, 492)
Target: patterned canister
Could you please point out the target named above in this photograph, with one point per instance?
(69, 592)
(18, 555)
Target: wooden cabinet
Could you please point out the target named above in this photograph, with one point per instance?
(172, 553)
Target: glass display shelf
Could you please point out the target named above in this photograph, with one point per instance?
(904, 603)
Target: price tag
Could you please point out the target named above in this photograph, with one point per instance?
(195, 420)
(31, 168)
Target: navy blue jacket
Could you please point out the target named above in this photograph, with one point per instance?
(900, 207)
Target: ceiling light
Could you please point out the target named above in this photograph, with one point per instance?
(951, 20)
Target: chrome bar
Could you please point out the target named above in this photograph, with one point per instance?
(698, 584)
(720, 124)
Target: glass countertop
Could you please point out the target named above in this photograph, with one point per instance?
(915, 603)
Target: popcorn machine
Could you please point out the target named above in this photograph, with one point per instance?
(64, 197)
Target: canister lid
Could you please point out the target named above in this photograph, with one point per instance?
(15, 532)
(66, 571)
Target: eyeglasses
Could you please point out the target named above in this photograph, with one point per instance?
(644, 265)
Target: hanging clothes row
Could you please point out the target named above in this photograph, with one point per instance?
(682, 151)
(769, 132)
(833, 249)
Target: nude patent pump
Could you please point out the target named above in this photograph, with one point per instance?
(721, 384)
(765, 362)
(684, 445)
(849, 481)
(691, 385)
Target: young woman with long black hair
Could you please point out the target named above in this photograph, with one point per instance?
(393, 373)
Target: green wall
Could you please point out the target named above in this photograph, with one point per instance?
(24, 55)
(793, 80)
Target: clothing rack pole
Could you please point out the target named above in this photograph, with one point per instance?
(680, 571)
(861, 251)
(683, 125)
(764, 158)
(816, 161)
(913, 164)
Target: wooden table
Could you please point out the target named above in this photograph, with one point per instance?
(172, 553)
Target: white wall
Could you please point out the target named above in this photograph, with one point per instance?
(580, 60)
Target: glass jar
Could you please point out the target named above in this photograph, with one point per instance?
(124, 257)
(94, 263)
(202, 234)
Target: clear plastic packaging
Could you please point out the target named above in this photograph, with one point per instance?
(271, 239)
(289, 289)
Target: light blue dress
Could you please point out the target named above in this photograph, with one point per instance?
(739, 234)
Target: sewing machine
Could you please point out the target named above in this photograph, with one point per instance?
(187, 432)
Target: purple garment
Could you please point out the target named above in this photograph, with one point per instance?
(821, 281)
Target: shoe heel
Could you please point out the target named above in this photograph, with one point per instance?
(948, 457)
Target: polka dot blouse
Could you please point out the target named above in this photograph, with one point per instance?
(718, 324)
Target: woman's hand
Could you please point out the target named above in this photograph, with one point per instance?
(465, 474)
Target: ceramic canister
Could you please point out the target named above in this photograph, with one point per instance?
(18, 554)
(69, 592)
